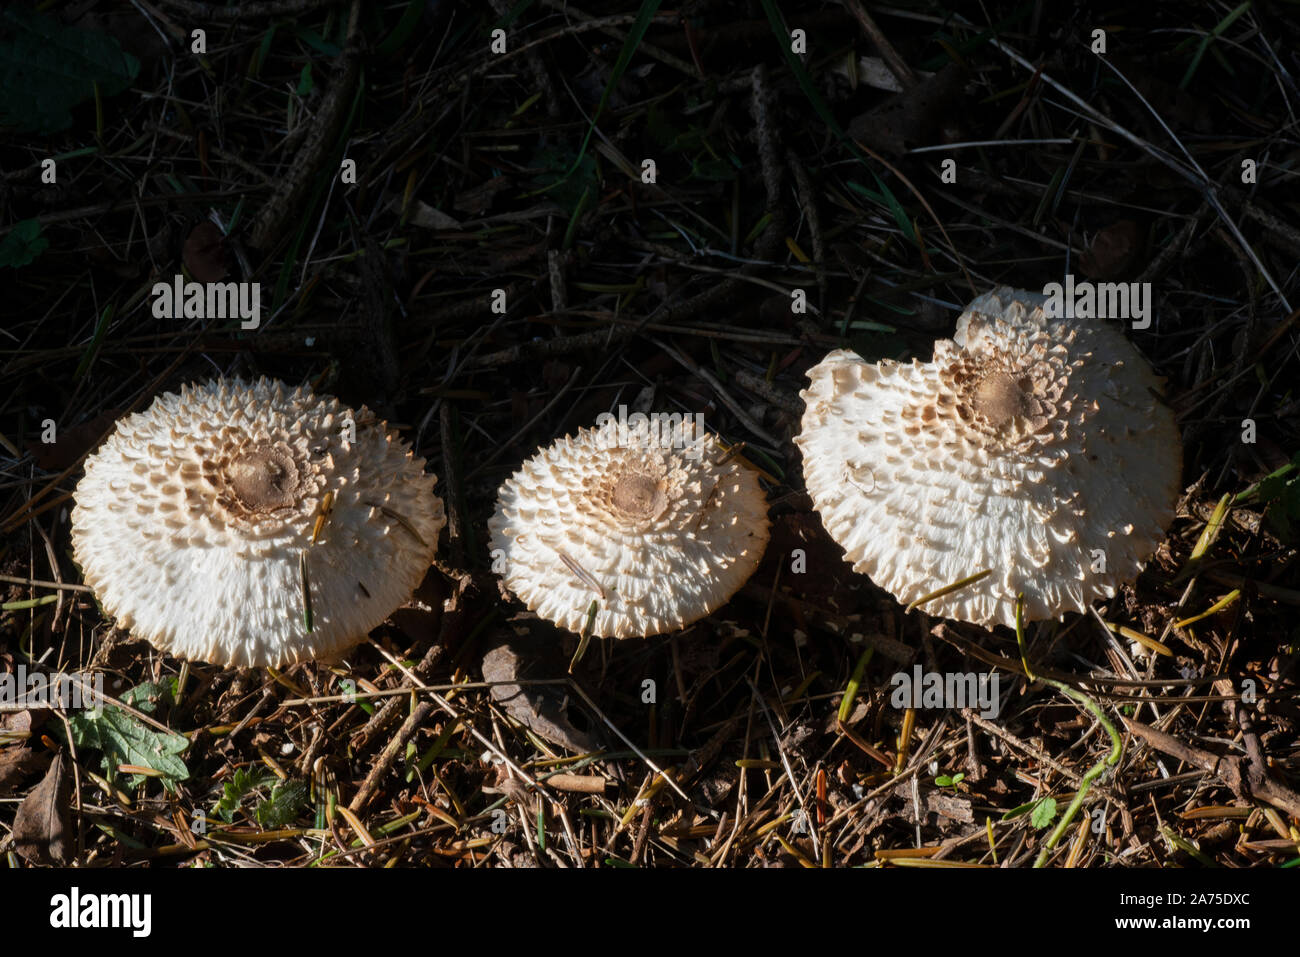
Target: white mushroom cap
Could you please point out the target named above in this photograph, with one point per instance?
(192, 518)
(647, 518)
(1032, 446)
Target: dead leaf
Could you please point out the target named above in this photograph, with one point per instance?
(1112, 251)
(429, 217)
(871, 71)
(541, 708)
(43, 825)
(920, 116)
(17, 763)
(952, 806)
(478, 199)
(71, 444)
(204, 253)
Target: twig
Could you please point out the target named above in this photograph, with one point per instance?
(522, 431)
(1226, 768)
(386, 757)
(896, 65)
(785, 763)
(626, 740)
(745, 418)
(284, 202)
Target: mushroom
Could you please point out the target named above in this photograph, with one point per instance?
(1033, 448)
(649, 522)
(250, 524)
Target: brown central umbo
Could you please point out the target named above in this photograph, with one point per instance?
(1001, 397)
(640, 496)
(264, 478)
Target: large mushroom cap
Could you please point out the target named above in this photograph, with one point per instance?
(193, 518)
(1032, 446)
(649, 526)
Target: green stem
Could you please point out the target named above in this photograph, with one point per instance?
(1112, 759)
(1085, 783)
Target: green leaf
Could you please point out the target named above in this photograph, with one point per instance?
(661, 130)
(286, 802)
(879, 345)
(23, 244)
(1280, 491)
(402, 32)
(92, 350)
(305, 84)
(855, 682)
(1204, 45)
(147, 696)
(1043, 812)
(47, 68)
(125, 739)
(236, 788)
(348, 686)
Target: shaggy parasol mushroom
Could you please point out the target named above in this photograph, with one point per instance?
(1032, 447)
(648, 524)
(250, 524)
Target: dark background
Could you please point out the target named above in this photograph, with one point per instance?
(478, 171)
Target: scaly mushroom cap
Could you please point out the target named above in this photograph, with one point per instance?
(1031, 446)
(193, 517)
(645, 524)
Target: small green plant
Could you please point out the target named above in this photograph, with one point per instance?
(946, 781)
(46, 69)
(1046, 809)
(1044, 812)
(1041, 811)
(286, 801)
(124, 739)
(1280, 492)
(23, 244)
(240, 784)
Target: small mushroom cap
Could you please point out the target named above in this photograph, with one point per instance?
(192, 519)
(1032, 446)
(646, 518)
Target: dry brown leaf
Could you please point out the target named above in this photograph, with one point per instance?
(43, 825)
(538, 707)
(1112, 252)
(204, 253)
(72, 443)
(925, 115)
(17, 763)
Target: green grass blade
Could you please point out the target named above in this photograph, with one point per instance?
(402, 32)
(1204, 45)
(810, 91)
(647, 13)
(100, 328)
(855, 682)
